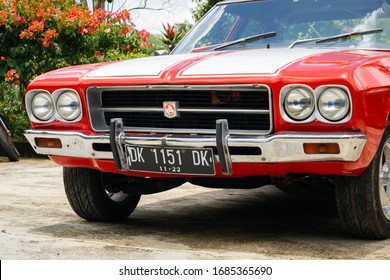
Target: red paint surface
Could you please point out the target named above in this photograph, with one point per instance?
(365, 73)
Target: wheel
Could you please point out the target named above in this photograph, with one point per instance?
(363, 202)
(8, 146)
(92, 198)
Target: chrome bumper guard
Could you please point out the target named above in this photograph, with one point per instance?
(276, 148)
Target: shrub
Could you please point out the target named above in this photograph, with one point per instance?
(37, 36)
(202, 7)
(173, 34)
(12, 110)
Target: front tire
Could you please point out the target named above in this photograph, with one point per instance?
(92, 199)
(363, 202)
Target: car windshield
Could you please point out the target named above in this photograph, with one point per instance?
(295, 23)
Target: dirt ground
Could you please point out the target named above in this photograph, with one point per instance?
(189, 222)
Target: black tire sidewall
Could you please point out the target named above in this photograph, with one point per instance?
(358, 199)
(114, 209)
(373, 171)
(87, 196)
(8, 148)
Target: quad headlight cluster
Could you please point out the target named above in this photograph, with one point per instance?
(302, 104)
(64, 105)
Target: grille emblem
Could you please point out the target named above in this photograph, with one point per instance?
(171, 109)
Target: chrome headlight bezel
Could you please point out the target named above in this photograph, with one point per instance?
(333, 104)
(318, 113)
(55, 97)
(304, 97)
(68, 105)
(32, 110)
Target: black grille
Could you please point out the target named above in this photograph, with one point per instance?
(247, 108)
(187, 99)
(190, 120)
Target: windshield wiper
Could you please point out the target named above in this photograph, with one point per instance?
(336, 37)
(348, 35)
(246, 40)
(300, 42)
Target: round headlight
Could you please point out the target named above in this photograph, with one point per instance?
(299, 103)
(68, 105)
(333, 104)
(42, 106)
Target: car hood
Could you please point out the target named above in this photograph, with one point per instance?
(206, 64)
(198, 66)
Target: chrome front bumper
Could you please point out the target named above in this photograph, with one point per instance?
(276, 148)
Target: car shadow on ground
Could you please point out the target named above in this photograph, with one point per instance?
(263, 221)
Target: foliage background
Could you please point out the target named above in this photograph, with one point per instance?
(37, 36)
(202, 7)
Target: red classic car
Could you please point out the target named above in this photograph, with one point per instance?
(284, 92)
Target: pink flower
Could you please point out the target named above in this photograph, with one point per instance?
(122, 15)
(46, 43)
(100, 14)
(3, 17)
(26, 34)
(51, 34)
(49, 37)
(98, 55)
(12, 76)
(144, 35)
(127, 30)
(36, 26)
(22, 19)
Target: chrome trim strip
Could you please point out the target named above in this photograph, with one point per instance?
(286, 147)
(190, 131)
(247, 87)
(183, 110)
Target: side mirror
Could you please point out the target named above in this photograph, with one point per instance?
(161, 52)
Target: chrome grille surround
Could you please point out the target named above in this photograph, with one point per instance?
(250, 112)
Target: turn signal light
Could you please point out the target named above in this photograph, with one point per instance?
(321, 148)
(48, 143)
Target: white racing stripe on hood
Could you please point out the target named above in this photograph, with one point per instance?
(236, 63)
(250, 62)
(142, 67)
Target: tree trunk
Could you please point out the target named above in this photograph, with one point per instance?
(84, 3)
(98, 4)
